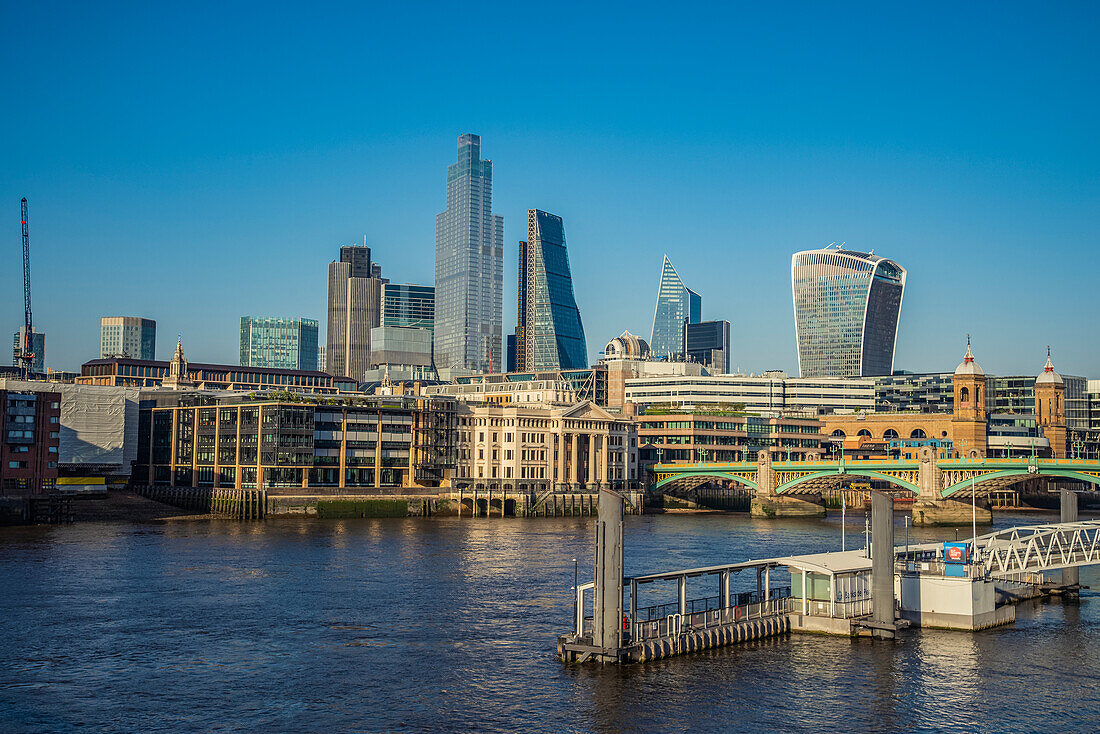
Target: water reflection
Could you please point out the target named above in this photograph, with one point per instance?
(450, 625)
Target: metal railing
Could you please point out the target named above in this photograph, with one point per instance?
(703, 614)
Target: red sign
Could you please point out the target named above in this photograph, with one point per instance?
(954, 553)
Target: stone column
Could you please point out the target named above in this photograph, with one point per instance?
(593, 475)
(574, 457)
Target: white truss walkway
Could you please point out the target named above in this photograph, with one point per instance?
(1040, 547)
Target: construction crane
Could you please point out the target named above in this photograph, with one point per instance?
(26, 356)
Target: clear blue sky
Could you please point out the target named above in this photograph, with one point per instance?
(194, 162)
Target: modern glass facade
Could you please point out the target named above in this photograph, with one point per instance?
(408, 305)
(127, 336)
(552, 335)
(469, 266)
(676, 305)
(287, 344)
(846, 310)
(708, 343)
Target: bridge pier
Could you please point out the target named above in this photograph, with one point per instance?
(951, 512)
(766, 504)
(786, 505)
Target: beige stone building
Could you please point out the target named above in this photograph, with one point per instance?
(544, 447)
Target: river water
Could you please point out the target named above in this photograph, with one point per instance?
(450, 625)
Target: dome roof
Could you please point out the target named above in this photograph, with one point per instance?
(627, 346)
(968, 365)
(1048, 376)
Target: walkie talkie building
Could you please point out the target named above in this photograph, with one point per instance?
(846, 310)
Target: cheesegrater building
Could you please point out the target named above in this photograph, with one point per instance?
(846, 310)
(549, 333)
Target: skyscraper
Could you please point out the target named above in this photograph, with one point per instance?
(469, 266)
(549, 333)
(708, 343)
(127, 336)
(846, 310)
(354, 308)
(38, 348)
(676, 304)
(289, 344)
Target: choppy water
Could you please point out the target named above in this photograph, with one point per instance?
(450, 625)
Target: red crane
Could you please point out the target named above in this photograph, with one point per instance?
(26, 357)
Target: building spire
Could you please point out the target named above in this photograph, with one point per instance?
(1050, 365)
(969, 355)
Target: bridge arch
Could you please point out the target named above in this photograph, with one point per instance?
(790, 486)
(997, 480)
(705, 477)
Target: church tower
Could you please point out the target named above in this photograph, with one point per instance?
(177, 369)
(1050, 408)
(969, 423)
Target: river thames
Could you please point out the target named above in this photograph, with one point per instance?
(451, 625)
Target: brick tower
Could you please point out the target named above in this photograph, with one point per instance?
(968, 426)
(1050, 408)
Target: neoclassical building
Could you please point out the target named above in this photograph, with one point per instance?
(535, 447)
(968, 426)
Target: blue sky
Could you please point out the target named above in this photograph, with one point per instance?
(196, 162)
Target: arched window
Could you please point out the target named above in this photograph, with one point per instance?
(864, 432)
(918, 433)
(964, 395)
(890, 434)
(839, 434)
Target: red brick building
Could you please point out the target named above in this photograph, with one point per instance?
(31, 425)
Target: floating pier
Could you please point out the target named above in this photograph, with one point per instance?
(873, 592)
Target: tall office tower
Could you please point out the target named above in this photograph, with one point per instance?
(708, 343)
(127, 336)
(676, 305)
(289, 344)
(549, 334)
(354, 308)
(408, 305)
(846, 310)
(469, 266)
(38, 348)
(517, 359)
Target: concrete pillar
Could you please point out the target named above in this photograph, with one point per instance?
(607, 624)
(882, 562)
(1070, 576)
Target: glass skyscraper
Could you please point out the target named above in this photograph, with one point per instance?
(549, 333)
(846, 310)
(408, 305)
(289, 344)
(469, 266)
(676, 305)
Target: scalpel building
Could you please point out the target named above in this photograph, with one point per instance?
(846, 309)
